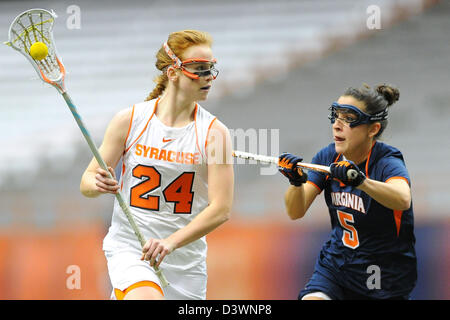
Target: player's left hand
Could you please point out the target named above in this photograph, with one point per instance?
(339, 170)
(156, 249)
(287, 164)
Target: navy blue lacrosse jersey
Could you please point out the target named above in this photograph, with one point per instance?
(366, 237)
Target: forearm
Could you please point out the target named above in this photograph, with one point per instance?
(88, 187)
(295, 203)
(206, 221)
(391, 196)
(96, 181)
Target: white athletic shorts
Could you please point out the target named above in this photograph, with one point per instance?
(126, 268)
(317, 294)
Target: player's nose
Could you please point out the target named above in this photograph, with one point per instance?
(337, 125)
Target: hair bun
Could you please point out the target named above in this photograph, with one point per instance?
(391, 94)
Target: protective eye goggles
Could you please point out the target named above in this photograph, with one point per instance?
(353, 116)
(193, 74)
(201, 68)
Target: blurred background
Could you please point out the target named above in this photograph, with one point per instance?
(281, 65)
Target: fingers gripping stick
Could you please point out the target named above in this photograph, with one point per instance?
(347, 172)
(351, 174)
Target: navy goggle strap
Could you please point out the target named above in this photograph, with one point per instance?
(379, 116)
(362, 116)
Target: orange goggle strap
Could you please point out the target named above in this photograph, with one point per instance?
(177, 63)
(196, 60)
(190, 74)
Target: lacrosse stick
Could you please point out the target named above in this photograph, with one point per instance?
(36, 25)
(351, 174)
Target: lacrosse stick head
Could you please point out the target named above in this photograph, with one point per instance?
(36, 25)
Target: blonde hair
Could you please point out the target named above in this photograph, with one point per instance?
(178, 41)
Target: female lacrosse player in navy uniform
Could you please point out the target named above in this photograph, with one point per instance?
(177, 177)
(370, 253)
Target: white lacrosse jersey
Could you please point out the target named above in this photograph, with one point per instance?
(164, 180)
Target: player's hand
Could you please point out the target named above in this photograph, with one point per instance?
(287, 163)
(105, 184)
(155, 250)
(340, 170)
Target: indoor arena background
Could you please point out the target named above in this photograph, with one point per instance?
(281, 65)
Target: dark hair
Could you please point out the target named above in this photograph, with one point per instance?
(375, 100)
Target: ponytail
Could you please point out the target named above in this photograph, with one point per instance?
(390, 94)
(161, 83)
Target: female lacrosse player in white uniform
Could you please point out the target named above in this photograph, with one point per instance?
(177, 177)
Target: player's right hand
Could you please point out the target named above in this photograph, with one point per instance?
(287, 163)
(104, 183)
(155, 250)
(339, 170)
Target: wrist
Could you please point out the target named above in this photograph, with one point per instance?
(363, 185)
(173, 242)
(295, 188)
(299, 179)
(296, 183)
(89, 190)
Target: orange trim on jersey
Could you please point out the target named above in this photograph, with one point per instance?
(121, 176)
(398, 220)
(341, 184)
(335, 160)
(368, 159)
(207, 133)
(145, 128)
(120, 295)
(315, 185)
(196, 133)
(129, 127)
(398, 177)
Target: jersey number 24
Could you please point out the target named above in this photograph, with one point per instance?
(179, 191)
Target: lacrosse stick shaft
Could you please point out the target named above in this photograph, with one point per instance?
(103, 165)
(309, 166)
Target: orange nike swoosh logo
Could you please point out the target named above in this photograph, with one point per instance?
(167, 140)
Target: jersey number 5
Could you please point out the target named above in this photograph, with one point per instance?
(350, 235)
(179, 191)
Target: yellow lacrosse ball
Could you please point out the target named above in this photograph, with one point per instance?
(38, 50)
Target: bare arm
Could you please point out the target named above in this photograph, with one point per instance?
(220, 194)
(95, 180)
(298, 199)
(394, 194)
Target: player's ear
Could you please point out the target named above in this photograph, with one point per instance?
(374, 128)
(172, 74)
